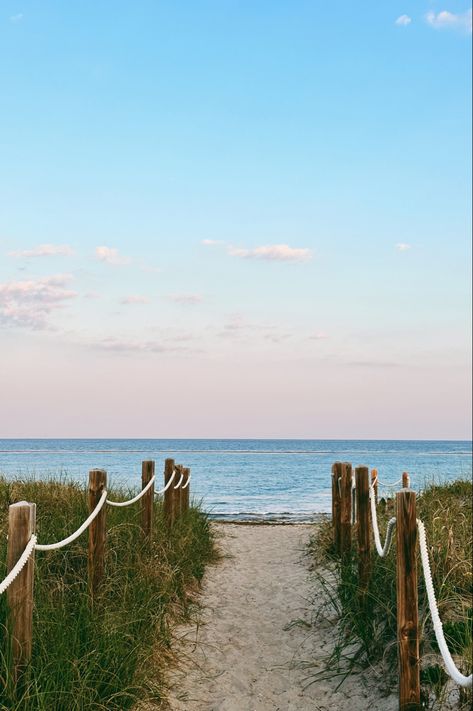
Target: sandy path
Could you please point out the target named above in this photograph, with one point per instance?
(243, 654)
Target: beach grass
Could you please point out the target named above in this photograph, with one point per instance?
(367, 626)
(111, 654)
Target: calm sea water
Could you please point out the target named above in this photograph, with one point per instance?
(242, 479)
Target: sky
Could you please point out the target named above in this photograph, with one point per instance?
(229, 218)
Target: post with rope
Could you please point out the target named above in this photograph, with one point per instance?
(336, 471)
(374, 484)
(185, 492)
(21, 526)
(345, 508)
(169, 466)
(96, 560)
(405, 480)
(147, 500)
(363, 532)
(178, 491)
(407, 604)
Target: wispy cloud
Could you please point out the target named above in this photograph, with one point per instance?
(29, 303)
(186, 298)
(267, 252)
(403, 247)
(44, 250)
(238, 327)
(450, 20)
(16, 18)
(111, 256)
(135, 299)
(117, 345)
(403, 21)
(272, 253)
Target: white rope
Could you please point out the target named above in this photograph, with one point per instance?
(387, 486)
(19, 565)
(187, 482)
(382, 550)
(135, 498)
(171, 479)
(180, 481)
(456, 675)
(76, 534)
(353, 500)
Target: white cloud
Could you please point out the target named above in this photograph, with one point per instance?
(134, 346)
(29, 303)
(318, 336)
(403, 20)
(273, 252)
(111, 256)
(211, 242)
(16, 18)
(44, 250)
(186, 298)
(403, 246)
(135, 299)
(450, 20)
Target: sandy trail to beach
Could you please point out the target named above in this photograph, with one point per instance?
(246, 651)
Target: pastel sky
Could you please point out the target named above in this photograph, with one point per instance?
(235, 218)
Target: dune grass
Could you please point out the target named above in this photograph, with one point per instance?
(367, 629)
(111, 654)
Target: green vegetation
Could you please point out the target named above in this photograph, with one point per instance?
(367, 627)
(112, 654)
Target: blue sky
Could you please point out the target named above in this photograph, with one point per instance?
(235, 218)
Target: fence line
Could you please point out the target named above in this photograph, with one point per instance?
(407, 526)
(18, 583)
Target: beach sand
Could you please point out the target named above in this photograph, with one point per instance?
(245, 651)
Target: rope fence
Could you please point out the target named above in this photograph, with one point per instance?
(23, 542)
(359, 504)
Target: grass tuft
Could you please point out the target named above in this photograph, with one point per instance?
(367, 626)
(112, 654)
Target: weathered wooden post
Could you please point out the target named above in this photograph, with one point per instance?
(169, 466)
(178, 492)
(147, 500)
(405, 480)
(374, 484)
(363, 533)
(185, 492)
(345, 508)
(336, 470)
(407, 606)
(96, 562)
(21, 526)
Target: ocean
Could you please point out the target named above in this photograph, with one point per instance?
(242, 479)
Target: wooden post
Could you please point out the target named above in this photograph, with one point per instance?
(147, 501)
(363, 518)
(186, 492)
(178, 492)
(407, 607)
(345, 508)
(336, 469)
(374, 484)
(96, 563)
(405, 480)
(169, 466)
(21, 526)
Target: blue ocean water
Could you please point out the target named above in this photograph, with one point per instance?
(242, 479)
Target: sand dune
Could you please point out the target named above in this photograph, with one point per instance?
(245, 652)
